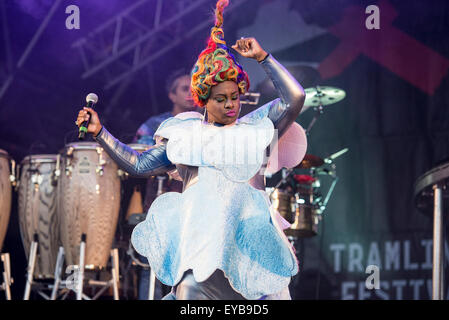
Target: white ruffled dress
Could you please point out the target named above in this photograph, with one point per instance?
(221, 221)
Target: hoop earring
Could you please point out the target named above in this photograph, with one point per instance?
(204, 114)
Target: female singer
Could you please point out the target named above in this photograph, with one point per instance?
(219, 238)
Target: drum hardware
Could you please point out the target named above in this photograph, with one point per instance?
(298, 199)
(58, 271)
(57, 172)
(76, 280)
(318, 112)
(250, 98)
(31, 284)
(136, 261)
(332, 173)
(68, 168)
(13, 175)
(68, 159)
(431, 198)
(136, 218)
(101, 162)
(31, 264)
(79, 283)
(320, 96)
(36, 178)
(122, 174)
(7, 280)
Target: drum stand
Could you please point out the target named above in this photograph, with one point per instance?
(438, 248)
(75, 281)
(30, 284)
(7, 280)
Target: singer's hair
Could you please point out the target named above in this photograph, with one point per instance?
(216, 63)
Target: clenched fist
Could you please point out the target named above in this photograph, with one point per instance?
(250, 48)
(94, 124)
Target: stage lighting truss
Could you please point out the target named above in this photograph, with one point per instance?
(139, 35)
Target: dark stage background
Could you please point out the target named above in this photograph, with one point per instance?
(394, 119)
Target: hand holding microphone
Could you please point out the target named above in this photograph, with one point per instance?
(88, 121)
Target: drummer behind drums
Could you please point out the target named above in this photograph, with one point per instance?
(178, 89)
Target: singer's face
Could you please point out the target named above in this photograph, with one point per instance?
(223, 105)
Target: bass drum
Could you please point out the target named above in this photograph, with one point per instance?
(5, 194)
(88, 203)
(37, 211)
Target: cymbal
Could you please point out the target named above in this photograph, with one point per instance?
(310, 161)
(323, 96)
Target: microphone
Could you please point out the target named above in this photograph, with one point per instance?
(91, 100)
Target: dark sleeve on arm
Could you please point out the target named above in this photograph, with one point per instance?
(151, 162)
(285, 110)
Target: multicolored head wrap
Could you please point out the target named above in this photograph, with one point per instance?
(216, 63)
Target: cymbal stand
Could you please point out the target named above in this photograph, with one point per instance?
(7, 280)
(321, 205)
(333, 173)
(318, 111)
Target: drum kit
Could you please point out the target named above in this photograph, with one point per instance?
(297, 196)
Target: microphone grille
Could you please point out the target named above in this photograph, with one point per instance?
(92, 97)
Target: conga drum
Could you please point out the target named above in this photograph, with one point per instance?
(88, 202)
(37, 211)
(5, 194)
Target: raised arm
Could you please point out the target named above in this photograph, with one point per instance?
(151, 162)
(285, 110)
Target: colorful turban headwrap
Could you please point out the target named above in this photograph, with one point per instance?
(216, 63)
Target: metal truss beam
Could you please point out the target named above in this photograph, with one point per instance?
(126, 47)
(28, 49)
